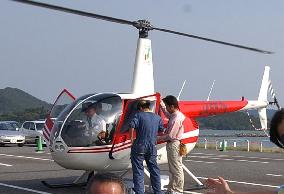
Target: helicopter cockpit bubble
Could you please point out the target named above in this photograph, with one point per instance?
(80, 123)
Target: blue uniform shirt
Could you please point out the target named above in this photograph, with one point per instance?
(147, 125)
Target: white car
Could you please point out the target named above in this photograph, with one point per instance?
(9, 134)
(32, 130)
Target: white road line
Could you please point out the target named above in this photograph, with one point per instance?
(199, 153)
(250, 157)
(245, 183)
(26, 157)
(200, 161)
(8, 165)
(276, 175)
(191, 192)
(23, 188)
(228, 159)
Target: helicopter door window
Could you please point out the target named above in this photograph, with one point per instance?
(131, 111)
(26, 125)
(32, 127)
(92, 122)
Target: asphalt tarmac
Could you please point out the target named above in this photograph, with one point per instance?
(22, 170)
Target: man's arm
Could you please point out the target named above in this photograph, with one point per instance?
(103, 125)
(257, 192)
(220, 186)
(131, 131)
(170, 135)
(163, 108)
(102, 132)
(133, 125)
(161, 126)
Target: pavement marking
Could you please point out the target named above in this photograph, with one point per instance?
(23, 188)
(228, 159)
(250, 157)
(200, 153)
(26, 157)
(276, 175)
(8, 165)
(200, 161)
(245, 183)
(191, 192)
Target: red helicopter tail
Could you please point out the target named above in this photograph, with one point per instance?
(195, 109)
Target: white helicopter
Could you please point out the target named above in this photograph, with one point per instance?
(65, 128)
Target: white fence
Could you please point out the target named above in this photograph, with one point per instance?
(234, 143)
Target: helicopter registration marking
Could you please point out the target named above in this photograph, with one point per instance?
(214, 107)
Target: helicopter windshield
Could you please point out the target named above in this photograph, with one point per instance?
(80, 122)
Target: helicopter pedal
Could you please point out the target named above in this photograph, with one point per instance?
(81, 181)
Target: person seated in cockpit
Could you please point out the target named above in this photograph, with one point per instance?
(96, 125)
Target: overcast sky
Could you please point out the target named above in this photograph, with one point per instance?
(43, 51)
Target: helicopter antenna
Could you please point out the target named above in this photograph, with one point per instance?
(181, 90)
(208, 98)
(143, 26)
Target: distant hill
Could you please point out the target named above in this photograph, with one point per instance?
(229, 121)
(16, 100)
(234, 121)
(270, 113)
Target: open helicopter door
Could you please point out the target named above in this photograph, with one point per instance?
(64, 99)
(121, 140)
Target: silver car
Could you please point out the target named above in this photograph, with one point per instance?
(32, 130)
(9, 134)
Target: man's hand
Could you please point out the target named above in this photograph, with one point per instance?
(102, 135)
(218, 186)
(221, 187)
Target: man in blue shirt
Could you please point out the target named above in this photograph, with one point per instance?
(147, 124)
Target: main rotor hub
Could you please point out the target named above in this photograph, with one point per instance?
(144, 26)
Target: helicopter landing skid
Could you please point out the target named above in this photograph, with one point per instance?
(195, 188)
(199, 185)
(79, 182)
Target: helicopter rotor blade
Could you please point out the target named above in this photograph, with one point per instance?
(213, 40)
(140, 24)
(77, 12)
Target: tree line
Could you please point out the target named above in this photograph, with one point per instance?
(26, 115)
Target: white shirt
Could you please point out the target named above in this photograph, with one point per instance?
(95, 125)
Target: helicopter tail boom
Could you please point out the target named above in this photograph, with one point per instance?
(195, 109)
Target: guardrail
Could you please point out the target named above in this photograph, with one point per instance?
(223, 143)
(238, 144)
(261, 144)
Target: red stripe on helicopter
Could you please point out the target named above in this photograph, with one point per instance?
(122, 147)
(206, 108)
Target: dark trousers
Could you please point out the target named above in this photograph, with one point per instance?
(138, 171)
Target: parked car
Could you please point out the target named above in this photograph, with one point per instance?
(15, 124)
(9, 133)
(32, 130)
